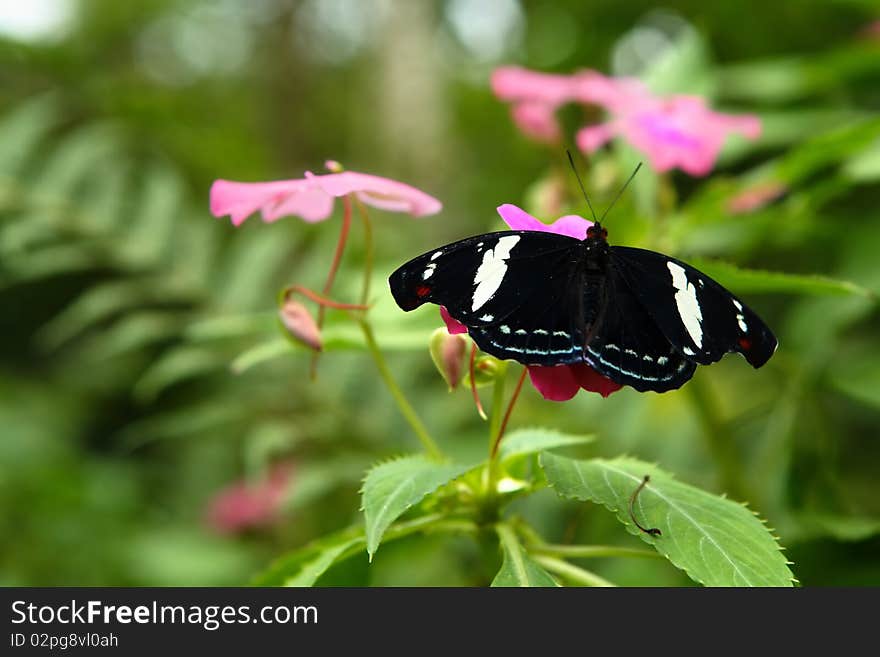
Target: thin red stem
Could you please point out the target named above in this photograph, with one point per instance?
(474, 382)
(334, 267)
(322, 301)
(508, 412)
(368, 249)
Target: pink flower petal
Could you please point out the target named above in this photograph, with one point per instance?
(249, 505)
(614, 94)
(452, 325)
(556, 383)
(674, 132)
(379, 192)
(518, 219)
(516, 84)
(594, 137)
(591, 381)
(537, 120)
(562, 382)
(274, 199)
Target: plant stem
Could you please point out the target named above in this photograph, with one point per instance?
(519, 384)
(592, 551)
(572, 573)
(322, 301)
(473, 377)
(405, 407)
(368, 250)
(494, 426)
(497, 403)
(331, 275)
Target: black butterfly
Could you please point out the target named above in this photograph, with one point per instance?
(637, 317)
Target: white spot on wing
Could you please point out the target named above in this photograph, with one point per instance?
(429, 271)
(687, 304)
(688, 351)
(521, 331)
(492, 270)
(662, 360)
(436, 255)
(504, 328)
(487, 318)
(742, 323)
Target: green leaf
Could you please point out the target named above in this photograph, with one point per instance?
(534, 440)
(261, 353)
(518, 569)
(393, 487)
(303, 567)
(716, 541)
(756, 280)
(173, 367)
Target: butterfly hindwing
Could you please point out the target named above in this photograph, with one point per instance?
(629, 348)
(697, 315)
(514, 290)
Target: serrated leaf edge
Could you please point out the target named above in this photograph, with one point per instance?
(636, 532)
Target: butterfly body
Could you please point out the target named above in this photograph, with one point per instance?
(638, 317)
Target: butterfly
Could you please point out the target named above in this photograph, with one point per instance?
(638, 317)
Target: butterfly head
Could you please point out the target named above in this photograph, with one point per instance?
(597, 232)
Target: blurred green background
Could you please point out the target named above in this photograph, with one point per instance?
(124, 302)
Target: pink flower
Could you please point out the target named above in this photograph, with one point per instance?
(250, 505)
(536, 96)
(678, 131)
(559, 382)
(311, 197)
(673, 132)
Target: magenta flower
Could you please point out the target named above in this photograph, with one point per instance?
(673, 132)
(678, 131)
(536, 96)
(559, 382)
(250, 505)
(311, 197)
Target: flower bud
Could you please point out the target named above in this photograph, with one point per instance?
(449, 355)
(299, 324)
(486, 370)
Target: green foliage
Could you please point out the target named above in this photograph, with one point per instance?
(143, 375)
(531, 441)
(393, 487)
(518, 569)
(718, 542)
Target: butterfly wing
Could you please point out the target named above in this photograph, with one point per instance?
(516, 291)
(628, 347)
(698, 316)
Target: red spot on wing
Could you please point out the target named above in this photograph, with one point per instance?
(423, 291)
(745, 344)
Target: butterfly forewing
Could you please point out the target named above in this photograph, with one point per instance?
(514, 290)
(696, 314)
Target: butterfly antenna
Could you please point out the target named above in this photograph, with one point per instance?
(580, 182)
(622, 190)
